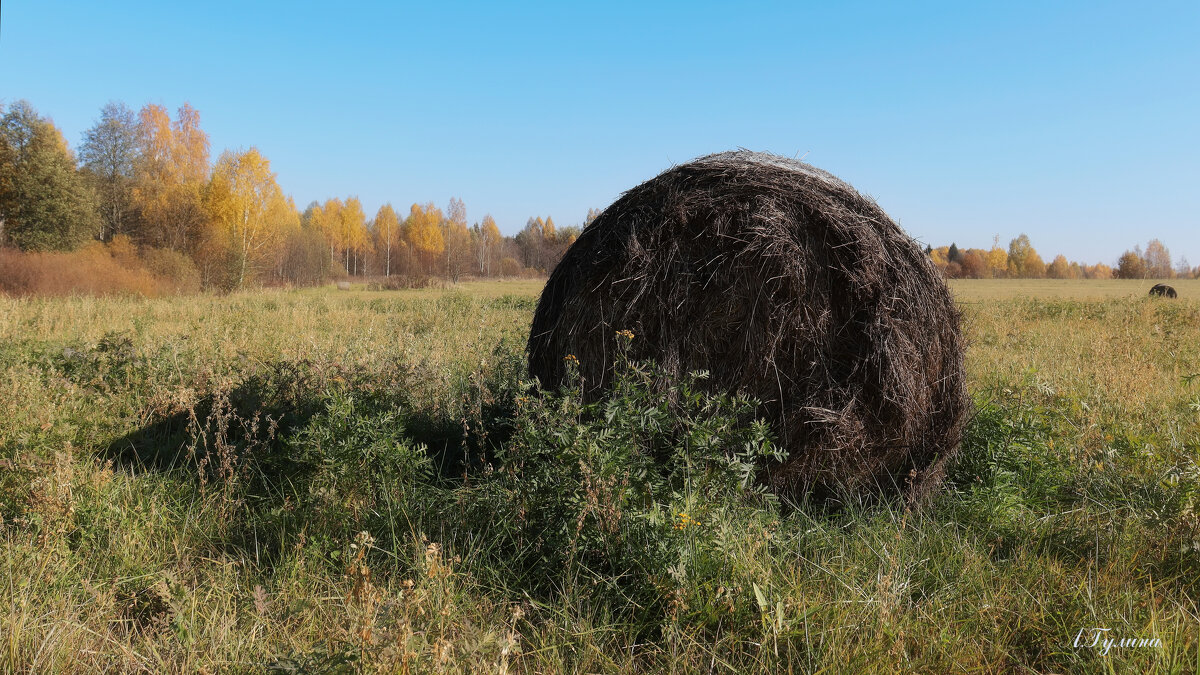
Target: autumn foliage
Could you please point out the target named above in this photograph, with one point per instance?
(164, 218)
(171, 220)
(1019, 261)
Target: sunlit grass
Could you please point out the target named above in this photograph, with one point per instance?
(1074, 507)
(986, 290)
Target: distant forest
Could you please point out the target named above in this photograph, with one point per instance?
(141, 203)
(1022, 261)
(141, 207)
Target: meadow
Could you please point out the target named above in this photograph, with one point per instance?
(984, 290)
(363, 481)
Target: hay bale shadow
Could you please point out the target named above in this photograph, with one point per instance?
(254, 421)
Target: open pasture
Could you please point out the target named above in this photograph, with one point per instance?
(983, 290)
(273, 482)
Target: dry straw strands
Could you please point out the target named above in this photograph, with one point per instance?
(787, 285)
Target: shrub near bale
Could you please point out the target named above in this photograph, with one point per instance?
(624, 499)
(173, 268)
(509, 267)
(786, 285)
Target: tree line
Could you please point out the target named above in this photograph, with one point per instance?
(142, 187)
(144, 181)
(1022, 261)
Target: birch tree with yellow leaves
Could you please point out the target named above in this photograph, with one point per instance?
(386, 227)
(457, 239)
(249, 212)
(326, 218)
(169, 178)
(423, 233)
(352, 226)
(487, 238)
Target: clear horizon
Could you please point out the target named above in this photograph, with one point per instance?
(1075, 124)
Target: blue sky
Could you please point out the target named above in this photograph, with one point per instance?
(1078, 123)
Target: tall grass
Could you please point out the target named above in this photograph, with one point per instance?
(311, 481)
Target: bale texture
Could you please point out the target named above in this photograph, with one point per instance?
(787, 285)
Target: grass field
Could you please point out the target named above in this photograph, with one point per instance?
(983, 290)
(275, 482)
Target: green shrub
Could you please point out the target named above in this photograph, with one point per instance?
(621, 496)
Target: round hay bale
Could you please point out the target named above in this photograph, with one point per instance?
(787, 285)
(1163, 290)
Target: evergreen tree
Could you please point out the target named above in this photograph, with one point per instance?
(44, 202)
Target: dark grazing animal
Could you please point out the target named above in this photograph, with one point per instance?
(1163, 289)
(783, 283)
